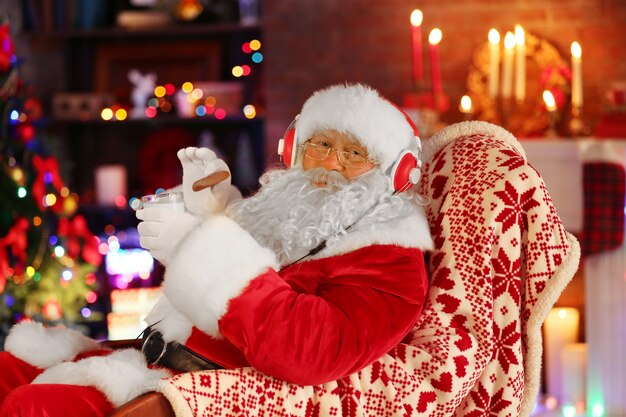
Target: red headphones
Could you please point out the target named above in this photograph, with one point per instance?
(404, 172)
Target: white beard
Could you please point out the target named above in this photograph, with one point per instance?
(291, 216)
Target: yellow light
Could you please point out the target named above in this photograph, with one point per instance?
(65, 191)
(255, 44)
(520, 37)
(237, 71)
(30, 271)
(509, 40)
(435, 36)
(187, 87)
(494, 37)
(562, 312)
(36, 221)
(577, 51)
(144, 274)
(416, 17)
(197, 94)
(249, 111)
(210, 101)
(159, 91)
(548, 98)
(121, 114)
(18, 175)
(51, 199)
(106, 114)
(466, 104)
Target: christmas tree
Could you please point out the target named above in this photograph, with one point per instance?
(48, 256)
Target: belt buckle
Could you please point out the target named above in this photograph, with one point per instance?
(153, 332)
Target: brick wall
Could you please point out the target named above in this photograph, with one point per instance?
(312, 43)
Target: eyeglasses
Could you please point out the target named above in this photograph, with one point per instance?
(349, 159)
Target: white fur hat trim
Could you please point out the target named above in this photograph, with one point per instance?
(361, 111)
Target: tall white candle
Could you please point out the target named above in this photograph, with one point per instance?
(574, 376)
(507, 68)
(520, 64)
(561, 328)
(577, 76)
(494, 62)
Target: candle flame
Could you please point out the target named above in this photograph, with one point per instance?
(577, 51)
(435, 36)
(416, 17)
(509, 40)
(520, 37)
(466, 104)
(494, 37)
(548, 98)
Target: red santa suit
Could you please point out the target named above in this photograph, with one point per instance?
(315, 321)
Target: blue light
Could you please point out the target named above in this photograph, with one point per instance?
(47, 178)
(200, 111)
(159, 190)
(53, 240)
(85, 312)
(257, 57)
(15, 115)
(9, 300)
(21, 192)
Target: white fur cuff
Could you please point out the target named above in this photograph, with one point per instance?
(121, 376)
(211, 266)
(44, 347)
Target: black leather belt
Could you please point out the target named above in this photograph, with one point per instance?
(172, 355)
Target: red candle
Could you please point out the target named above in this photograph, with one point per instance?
(435, 71)
(416, 31)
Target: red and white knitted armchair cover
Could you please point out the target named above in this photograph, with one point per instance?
(501, 259)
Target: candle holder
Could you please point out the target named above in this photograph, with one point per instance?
(576, 126)
(553, 120)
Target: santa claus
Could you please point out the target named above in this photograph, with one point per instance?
(310, 280)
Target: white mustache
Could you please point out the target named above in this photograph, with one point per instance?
(323, 177)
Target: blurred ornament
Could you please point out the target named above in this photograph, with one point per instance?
(52, 310)
(188, 10)
(6, 48)
(26, 132)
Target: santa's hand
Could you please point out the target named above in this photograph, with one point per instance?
(197, 164)
(162, 229)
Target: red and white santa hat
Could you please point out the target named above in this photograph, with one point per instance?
(361, 111)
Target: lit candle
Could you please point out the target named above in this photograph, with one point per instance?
(494, 62)
(434, 38)
(466, 106)
(520, 64)
(507, 70)
(577, 76)
(574, 360)
(416, 30)
(561, 328)
(548, 99)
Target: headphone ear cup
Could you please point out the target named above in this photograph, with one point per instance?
(289, 153)
(405, 171)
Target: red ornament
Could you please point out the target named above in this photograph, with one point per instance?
(25, 132)
(6, 48)
(15, 241)
(79, 240)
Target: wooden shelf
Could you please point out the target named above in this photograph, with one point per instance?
(163, 120)
(169, 31)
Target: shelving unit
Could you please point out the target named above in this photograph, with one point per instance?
(97, 61)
